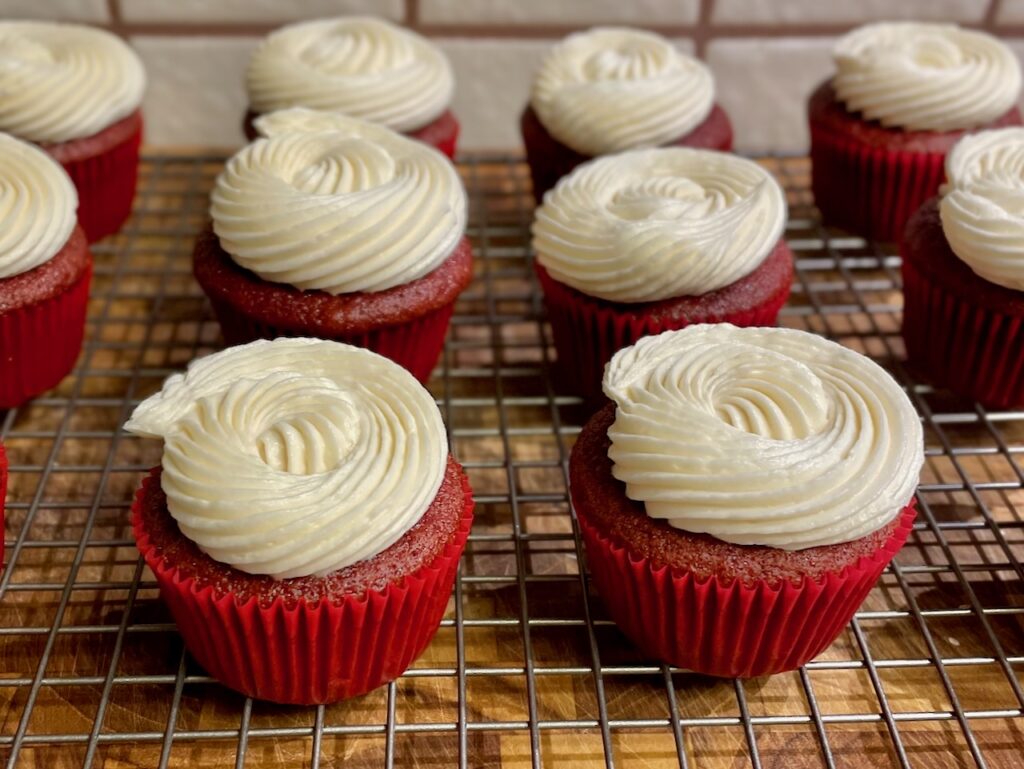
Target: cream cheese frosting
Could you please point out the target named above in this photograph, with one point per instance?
(611, 89)
(359, 66)
(982, 205)
(65, 81)
(38, 205)
(295, 457)
(925, 77)
(761, 436)
(659, 223)
(337, 204)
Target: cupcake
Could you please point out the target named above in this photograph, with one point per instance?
(76, 92)
(608, 90)
(743, 494)
(45, 270)
(358, 66)
(652, 240)
(963, 273)
(902, 96)
(340, 229)
(306, 521)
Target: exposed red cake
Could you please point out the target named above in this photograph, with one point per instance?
(313, 639)
(588, 331)
(3, 495)
(550, 160)
(963, 331)
(406, 323)
(104, 168)
(869, 179)
(441, 133)
(708, 605)
(42, 322)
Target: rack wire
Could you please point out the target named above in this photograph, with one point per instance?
(526, 669)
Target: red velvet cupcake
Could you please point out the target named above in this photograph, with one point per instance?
(653, 240)
(363, 67)
(903, 95)
(45, 270)
(609, 89)
(340, 229)
(963, 273)
(76, 92)
(306, 524)
(743, 494)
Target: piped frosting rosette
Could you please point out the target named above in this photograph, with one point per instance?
(295, 457)
(761, 436)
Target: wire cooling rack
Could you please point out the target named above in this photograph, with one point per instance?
(526, 669)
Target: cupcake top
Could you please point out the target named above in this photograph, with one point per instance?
(982, 205)
(925, 77)
(65, 81)
(38, 202)
(761, 436)
(295, 457)
(359, 66)
(611, 89)
(337, 204)
(659, 223)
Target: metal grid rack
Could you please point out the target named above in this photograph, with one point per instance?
(526, 668)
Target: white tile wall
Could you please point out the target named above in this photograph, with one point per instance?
(574, 12)
(850, 12)
(65, 10)
(1010, 12)
(233, 11)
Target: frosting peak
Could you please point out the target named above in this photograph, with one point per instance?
(38, 202)
(761, 436)
(297, 456)
(611, 89)
(65, 81)
(359, 66)
(337, 204)
(982, 207)
(657, 224)
(926, 77)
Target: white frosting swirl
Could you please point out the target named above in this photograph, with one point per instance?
(353, 207)
(359, 66)
(611, 89)
(925, 77)
(38, 202)
(65, 81)
(761, 436)
(660, 223)
(295, 457)
(982, 206)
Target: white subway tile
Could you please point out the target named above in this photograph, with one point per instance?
(196, 92)
(56, 10)
(241, 11)
(764, 83)
(568, 12)
(1010, 12)
(846, 11)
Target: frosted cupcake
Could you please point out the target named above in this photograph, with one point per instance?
(359, 66)
(652, 240)
(45, 271)
(743, 493)
(76, 91)
(612, 89)
(902, 96)
(306, 520)
(340, 229)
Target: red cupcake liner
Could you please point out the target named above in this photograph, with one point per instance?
(3, 495)
(587, 333)
(308, 654)
(106, 186)
(730, 629)
(40, 342)
(973, 350)
(869, 190)
(416, 344)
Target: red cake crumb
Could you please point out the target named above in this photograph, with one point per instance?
(601, 500)
(417, 548)
(75, 150)
(49, 278)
